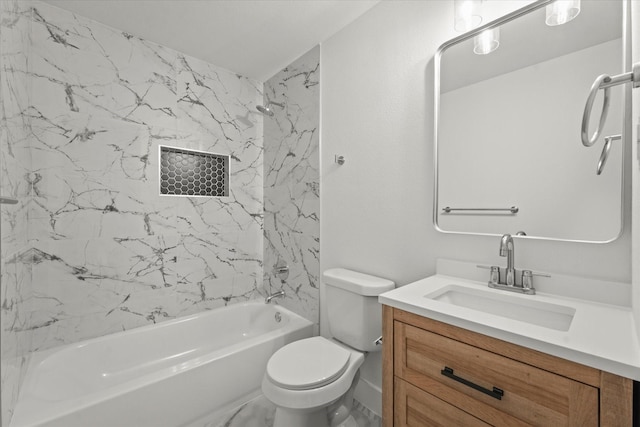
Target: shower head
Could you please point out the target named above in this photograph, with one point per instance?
(266, 110)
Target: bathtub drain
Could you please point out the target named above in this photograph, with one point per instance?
(278, 316)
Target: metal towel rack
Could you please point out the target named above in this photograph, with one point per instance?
(604, 82)
(605, 151)
(512, 209)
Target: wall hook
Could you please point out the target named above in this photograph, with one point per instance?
(339, 160)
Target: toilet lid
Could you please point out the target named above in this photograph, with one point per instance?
(308, 363)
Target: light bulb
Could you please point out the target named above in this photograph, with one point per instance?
(487, 41)
(466, 15)
(561, 11)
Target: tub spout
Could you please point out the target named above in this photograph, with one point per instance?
(278, 294)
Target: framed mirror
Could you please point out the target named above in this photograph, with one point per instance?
(508, 152)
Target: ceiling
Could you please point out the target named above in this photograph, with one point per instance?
(255, 38)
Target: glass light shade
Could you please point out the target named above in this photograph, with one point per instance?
(487, 41)
(562, 11)
(466, 15)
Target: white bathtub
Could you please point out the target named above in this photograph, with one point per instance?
(164, 375)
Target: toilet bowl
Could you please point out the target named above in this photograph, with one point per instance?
(306, 377)
(312, 381)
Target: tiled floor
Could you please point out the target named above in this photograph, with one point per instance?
(364, 416)
(259, 412)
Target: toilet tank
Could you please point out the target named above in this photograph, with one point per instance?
(353, 312)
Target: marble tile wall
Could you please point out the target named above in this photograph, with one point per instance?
(108, 253)
(292, 184)
(92, 248)
(15, 164)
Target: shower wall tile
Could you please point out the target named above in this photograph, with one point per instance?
(15, 286)
(134, 282)
(292, 182)
(14, 166)
(109, 253)
(217, 292)
(213, 103)
(15, 277)
(97, 178)
(218, 109)
(205, 256)
(82, 66)
(132, 308)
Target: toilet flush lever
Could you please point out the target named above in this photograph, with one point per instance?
(378, 341)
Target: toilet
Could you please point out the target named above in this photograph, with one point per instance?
(312, 381)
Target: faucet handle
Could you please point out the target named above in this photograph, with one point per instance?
(527, 278)
(494, 273)
(281, 270)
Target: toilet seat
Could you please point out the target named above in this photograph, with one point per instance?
(307, 364)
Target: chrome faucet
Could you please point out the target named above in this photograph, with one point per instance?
(510, 283)
(278, 294)
(507, 249)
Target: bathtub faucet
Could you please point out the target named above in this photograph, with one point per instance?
(278, 294)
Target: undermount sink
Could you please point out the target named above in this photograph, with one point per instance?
(548, 315)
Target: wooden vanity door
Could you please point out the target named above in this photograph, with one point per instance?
(416, 408)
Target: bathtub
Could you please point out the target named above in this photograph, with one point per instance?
(169, 374)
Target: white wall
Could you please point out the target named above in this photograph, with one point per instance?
(377, 111)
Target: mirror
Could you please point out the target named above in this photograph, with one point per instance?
(509, 157)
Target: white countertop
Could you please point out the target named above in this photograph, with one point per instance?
(602, 336)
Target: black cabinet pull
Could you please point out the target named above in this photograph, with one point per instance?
(496, 393)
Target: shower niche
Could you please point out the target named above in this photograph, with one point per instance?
(193, 173)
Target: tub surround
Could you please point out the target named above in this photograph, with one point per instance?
(107, 252)
(292, 184)
(15, 277)
(601, 335)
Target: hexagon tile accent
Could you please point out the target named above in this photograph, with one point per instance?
(193, 173)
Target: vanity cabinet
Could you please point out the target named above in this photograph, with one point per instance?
(435, 374)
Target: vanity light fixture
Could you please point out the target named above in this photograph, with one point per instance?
(562, 11)
(487, 41)
(466, 15)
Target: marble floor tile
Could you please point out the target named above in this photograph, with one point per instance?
(259, 412)
(364, 416)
